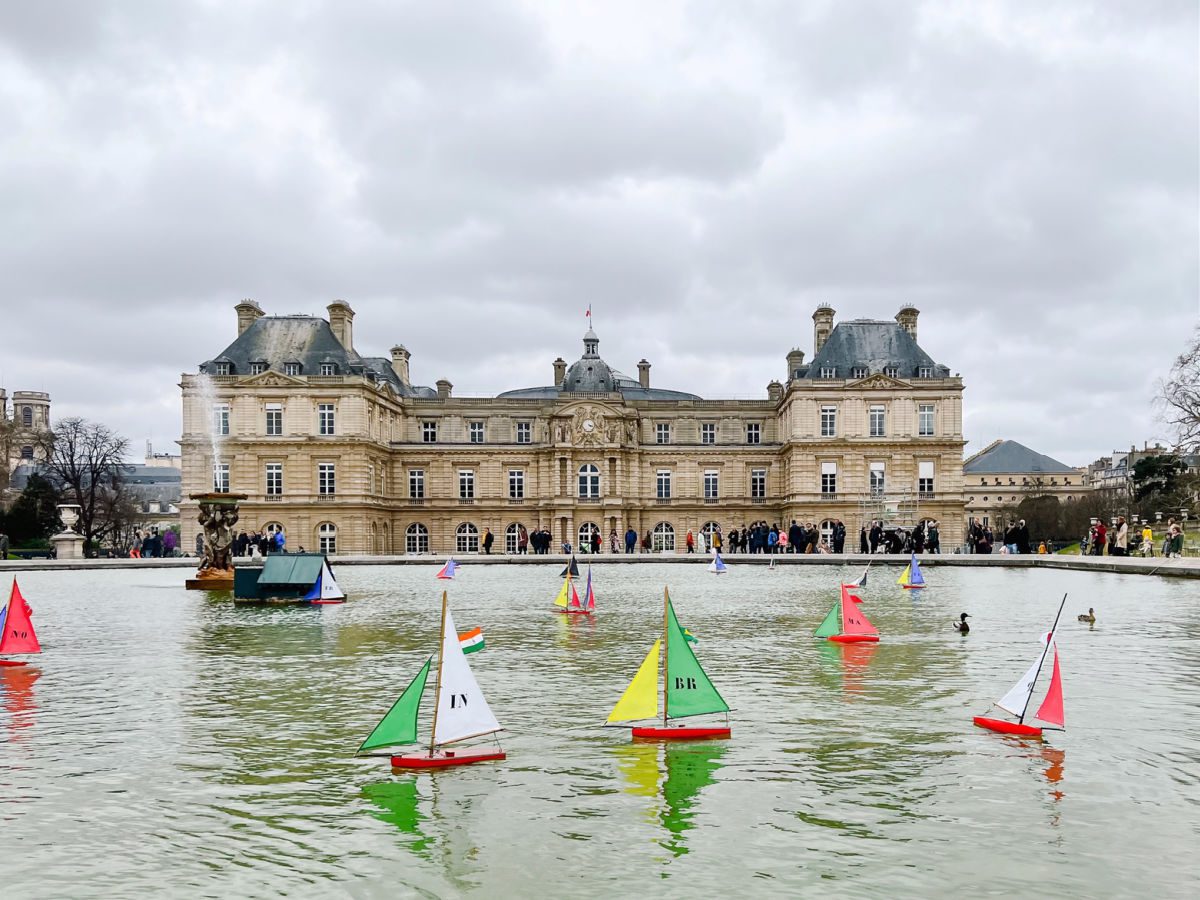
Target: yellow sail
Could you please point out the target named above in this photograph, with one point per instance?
(640, 700)
(905, 575)
(564, 594)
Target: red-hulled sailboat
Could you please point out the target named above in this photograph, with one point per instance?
(16, 628)
(1016, 701)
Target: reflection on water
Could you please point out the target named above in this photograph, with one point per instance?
(673, 773)
(396, 803)
(17, 683)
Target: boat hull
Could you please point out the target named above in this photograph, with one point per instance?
(325, 602)
(572, 612)
(659, 733)
(448, 758)
(912, 587)
(13, 662)
(854, 638)
(1004, 727)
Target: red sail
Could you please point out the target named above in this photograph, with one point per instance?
(19, 636)
(1051, 709)
(853, 620)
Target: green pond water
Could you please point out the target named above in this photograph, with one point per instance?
(170, 743)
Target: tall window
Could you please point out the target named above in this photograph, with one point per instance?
(663, 538)
(925, 419)
(327, 538)
(753, 433)
(828, 421)
(27, 416)
(876, 416)
(589, 482)
(27, 452)
(891, 372)
(274, 479)
(326, 478)
(758, 484)
(292, 368)
(708, 432)
(925, 478)
(662, 433)
(220, 418)
(466, 538)
(516, 484)
(429, 432)
(586, 530)
(711, 484)
(466, 484)
(512, 538)
(829, 478)
(274, 419)
(664, 484)
(325, 418)
(476, 432)
(416, 538)
(221, 478)
(707, 530)
(223, 368)
(877, 479)
(328, 369)
(524, 433)
(416, 484)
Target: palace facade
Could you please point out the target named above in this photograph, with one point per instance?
(346, 454)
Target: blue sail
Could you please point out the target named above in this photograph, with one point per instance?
(915, 576)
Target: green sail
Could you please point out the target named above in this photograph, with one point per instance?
(832, 624)
(399, 726)
(689, 692)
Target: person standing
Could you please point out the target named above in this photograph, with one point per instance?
(933, 539)
(1121, 546)
(488, 540)
(522, 541)
(690, 541)
(1100, 539)
(630, 540)
(863, 547)
(876, 535)
(1147, 540)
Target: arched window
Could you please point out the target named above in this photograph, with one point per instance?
(707, 531)
(663, 539)
(589, 482)
(26, 452)
(826, 530)
(586, 530)
(272, 528)
(466, 538)
(512, 537)
(327, 537)
(416, 538)
(27, 416)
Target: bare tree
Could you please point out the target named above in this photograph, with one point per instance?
(1179, 396)
(87, 459)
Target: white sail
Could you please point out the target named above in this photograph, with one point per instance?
(1017, 697)
(329, 587)
(461, 712)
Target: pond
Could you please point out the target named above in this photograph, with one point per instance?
(175, 743)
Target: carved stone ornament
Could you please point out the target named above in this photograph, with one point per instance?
(588, 427)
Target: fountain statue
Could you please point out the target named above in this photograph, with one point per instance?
(218, 516)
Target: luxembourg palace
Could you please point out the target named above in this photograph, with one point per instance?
(347, 455)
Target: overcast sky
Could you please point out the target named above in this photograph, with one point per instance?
(471, 176)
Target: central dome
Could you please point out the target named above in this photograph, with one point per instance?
(590, 373)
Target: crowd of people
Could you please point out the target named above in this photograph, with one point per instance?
(258, 543)
(925, 537)
(153, 544)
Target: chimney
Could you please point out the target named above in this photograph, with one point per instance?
(444, 388)
(248, 312)
(644, 373)
(775, 391)
(795, 361)
(907, 319)
(341, 320)
(560, 371)
(400, 358)
(822, 326)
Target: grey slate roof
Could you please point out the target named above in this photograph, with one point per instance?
(874, 345)
(1009, 457)
(309, 341)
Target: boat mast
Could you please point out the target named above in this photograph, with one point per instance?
(1042, 661)
(665, 645)
(437, 697)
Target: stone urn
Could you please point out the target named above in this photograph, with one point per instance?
(67, 543)
(218, 516)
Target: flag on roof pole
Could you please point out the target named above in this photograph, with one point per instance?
(589, 311)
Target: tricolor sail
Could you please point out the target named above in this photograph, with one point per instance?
(447, 571)
(911, 577)
(326, 588)
(18, 635)
(687, 689)
(861, 581)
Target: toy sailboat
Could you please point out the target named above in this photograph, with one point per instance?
(460, 711)
(687, 690)
(16, 628)
(717, 566)
(568, 601)
(446, 572)
(845, 623)
(326, 589)
(572, 569)
(1016, 701)
(911, 578)
(861, 580)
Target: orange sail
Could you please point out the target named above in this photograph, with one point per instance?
(853, 620)
(19, 636)
(1051, 709)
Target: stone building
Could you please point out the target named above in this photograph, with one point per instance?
(1004, 473)
(347, 454)
(24, 422)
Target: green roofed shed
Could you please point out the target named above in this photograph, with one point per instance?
(294, 570)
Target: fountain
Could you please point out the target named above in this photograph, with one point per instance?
(218, 516)
(68, 544)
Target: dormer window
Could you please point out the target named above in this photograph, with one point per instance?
(292, 368)
(328, 369)
(828, 372)
(257, 368)
(221, 368)
(925, 372)
(892, 372)
(858, 372)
